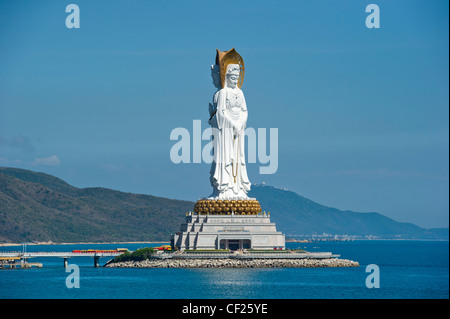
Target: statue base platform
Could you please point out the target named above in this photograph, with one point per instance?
(228, 231)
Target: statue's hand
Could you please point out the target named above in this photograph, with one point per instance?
(238, 128)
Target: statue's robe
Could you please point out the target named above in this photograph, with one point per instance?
(228, 144)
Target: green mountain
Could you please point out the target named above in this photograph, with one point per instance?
(296, 215)
(40, 207)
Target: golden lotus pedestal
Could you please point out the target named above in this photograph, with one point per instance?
(227, 207)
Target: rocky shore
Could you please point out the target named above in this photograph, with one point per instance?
(234, 263)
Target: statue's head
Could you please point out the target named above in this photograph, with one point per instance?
(226, 58)
(232, 75)
(215, 74)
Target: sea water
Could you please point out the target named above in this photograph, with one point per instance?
(407, 270)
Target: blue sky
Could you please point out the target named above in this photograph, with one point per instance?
(362, 114)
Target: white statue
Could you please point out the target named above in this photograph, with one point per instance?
(229, 118)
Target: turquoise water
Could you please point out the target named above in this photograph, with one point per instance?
(408, 270)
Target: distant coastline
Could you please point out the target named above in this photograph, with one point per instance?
(164, 242)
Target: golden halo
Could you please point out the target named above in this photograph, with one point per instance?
(224, 58)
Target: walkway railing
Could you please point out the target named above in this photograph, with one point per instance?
(253, 255)
(58, 254)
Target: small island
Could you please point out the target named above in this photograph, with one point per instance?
(151, 258)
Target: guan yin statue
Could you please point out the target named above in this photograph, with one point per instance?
(228, 218)
(228, 117)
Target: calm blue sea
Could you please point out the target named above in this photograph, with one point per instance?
(408, 270)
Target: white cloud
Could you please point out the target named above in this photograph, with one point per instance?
(46, 161)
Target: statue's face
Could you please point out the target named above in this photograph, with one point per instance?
(232, 79)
